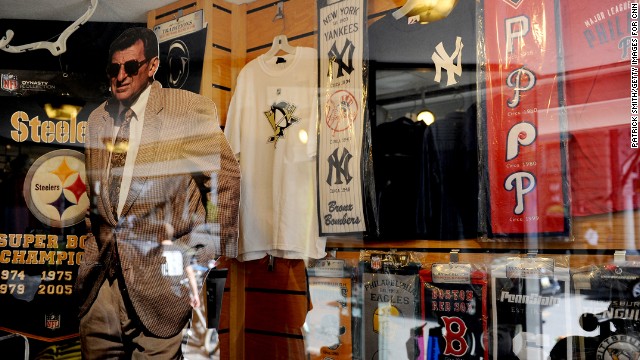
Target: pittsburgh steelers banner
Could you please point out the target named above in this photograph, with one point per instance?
(182, 43)
(524, 153)
(42, 229)
(341, 42)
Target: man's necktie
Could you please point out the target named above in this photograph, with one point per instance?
(118, 158)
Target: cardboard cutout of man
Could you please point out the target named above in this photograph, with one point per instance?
(155, 158)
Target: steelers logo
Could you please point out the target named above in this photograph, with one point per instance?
(55, 188)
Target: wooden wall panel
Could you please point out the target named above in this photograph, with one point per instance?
(220, 65)
(299, 19)
(224, 328)
(282, 313)
(253, 5)
(260, 346)
(224, 339)
(170, 11)
(276, 306)
(286, 275)
(221, 23)
(222, 98)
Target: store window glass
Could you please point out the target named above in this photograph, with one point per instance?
(331, 179)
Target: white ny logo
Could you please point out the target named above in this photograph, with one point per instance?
(442, 60)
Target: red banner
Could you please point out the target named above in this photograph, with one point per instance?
(525, 154)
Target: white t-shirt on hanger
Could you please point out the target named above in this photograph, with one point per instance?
(271, 126)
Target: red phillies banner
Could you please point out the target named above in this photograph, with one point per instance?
(524, 149)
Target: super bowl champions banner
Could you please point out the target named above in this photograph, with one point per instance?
(182, 43)
(341, 42)
(524, 147)
(42, 210)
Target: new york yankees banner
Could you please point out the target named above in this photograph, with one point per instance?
(523, 152)
(182, 43)
(341, 38)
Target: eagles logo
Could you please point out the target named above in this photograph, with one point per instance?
(280, 117)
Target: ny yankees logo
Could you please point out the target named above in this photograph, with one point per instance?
(521, 79)
(442, 60)
(341, 167)
(280, 117)
(338, 58)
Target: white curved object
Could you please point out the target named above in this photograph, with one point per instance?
(56, 48)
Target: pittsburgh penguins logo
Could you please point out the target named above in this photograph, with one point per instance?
(619, 347)
(178, 60)
(280, 117)
(55, 188)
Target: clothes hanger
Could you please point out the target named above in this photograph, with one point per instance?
(412, 114)
(56, 48)
(280, 43)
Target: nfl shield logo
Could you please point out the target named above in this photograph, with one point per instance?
(9, 82)
(52, 321)
(376, 263)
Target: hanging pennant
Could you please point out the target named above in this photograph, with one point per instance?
(341, 42)
(182, 44)
(531, 306)
(524, 151)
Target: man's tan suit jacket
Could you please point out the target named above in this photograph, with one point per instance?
(185, 175)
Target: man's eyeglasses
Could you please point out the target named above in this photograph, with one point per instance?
(131, 67)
